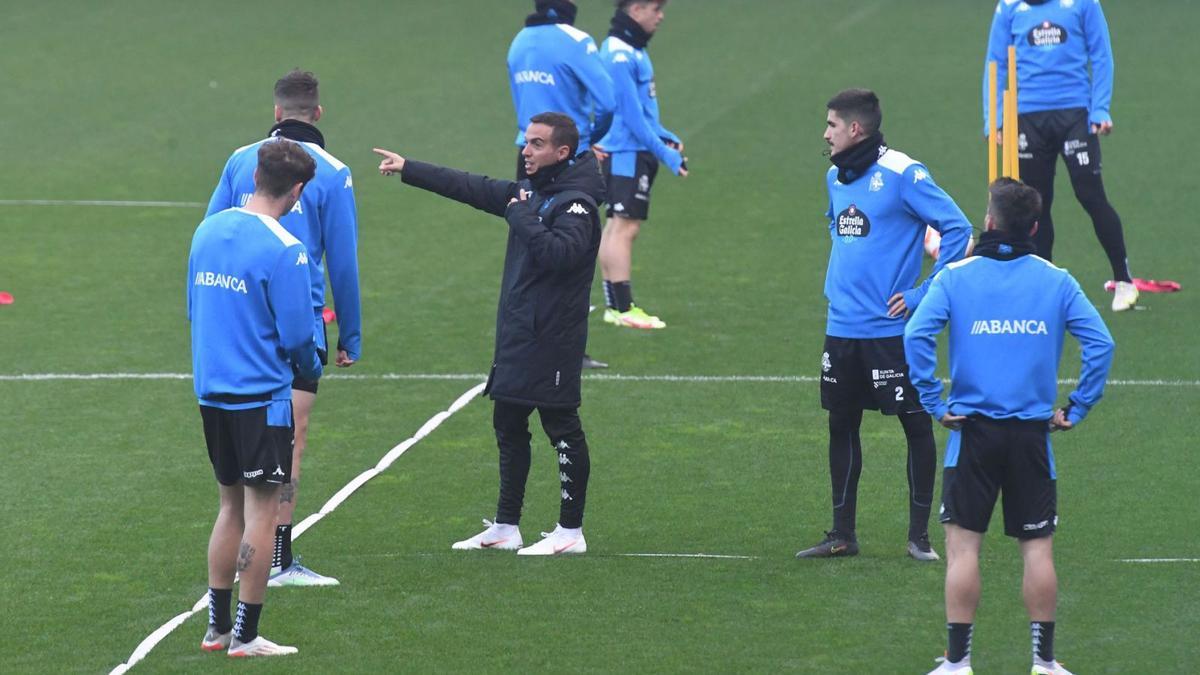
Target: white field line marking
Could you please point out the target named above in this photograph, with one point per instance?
(336, 500)
(101, 202)
(39, 377)
(716, 556)
(1159, 560)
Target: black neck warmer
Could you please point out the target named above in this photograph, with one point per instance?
(854, 161)
(547, 174)
(625, 28)
(1001, 245)
(295, 130)
(550, 12)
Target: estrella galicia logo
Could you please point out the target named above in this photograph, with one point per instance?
(853, 223)
(1047, 34)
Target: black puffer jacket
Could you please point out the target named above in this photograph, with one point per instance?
(553, 238)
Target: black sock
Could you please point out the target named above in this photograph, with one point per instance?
(845, 467)
(245, 627)
(283, 547)
(610, 299)
(922, 468)
(623, 295)
(959, 644)
(1042, 633)
(219, 600)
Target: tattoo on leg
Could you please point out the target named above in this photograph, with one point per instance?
(287, 493)
(245, 557)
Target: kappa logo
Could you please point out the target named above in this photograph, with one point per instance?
(302, 259)
(591, 48)
(876, 182)
(1066, 4)
(653, 89)
(920, 175)
(826, 364)
(620, 58)
(278, 471)
(578, 208)
(564, 478)
(566, 496)
(349, 183)
(619, 207)
(643, 183)
(562, 445)
(1022, 142)
(563, 460)
(1023, 7)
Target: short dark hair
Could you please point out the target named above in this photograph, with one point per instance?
(297, 93)
(563, 129)
(1014, 206)
(858, 105)
(282, 164)
(624, 4)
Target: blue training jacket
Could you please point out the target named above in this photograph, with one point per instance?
(877, 226)
(1007, 320)
(556, 68)
(1057, 42)
(636, 126)
(325, 220)
(249, 304)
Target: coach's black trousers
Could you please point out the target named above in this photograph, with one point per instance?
(563, 428)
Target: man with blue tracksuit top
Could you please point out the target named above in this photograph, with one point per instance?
(555, 67)
(1008, 310)
(1064, 94)
(325, 221)
(631, 152)
(881, 202)
(249, 303)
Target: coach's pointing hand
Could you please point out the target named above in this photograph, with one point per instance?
(392, 163)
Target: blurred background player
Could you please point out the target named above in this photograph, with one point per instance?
(880, 202)
(1064, 84)
(631, 152)
(553, 66)
(1008, 311)
(325, 220)
(249, 302)
(541, 321)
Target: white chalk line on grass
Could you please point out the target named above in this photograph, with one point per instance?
(332, 503)
(712, 556)
(102, 202)
(599, 377)
(1159, 560)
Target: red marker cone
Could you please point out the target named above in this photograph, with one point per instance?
(6, 298)
(328, 315)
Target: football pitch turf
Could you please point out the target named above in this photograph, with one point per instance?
(108, 498)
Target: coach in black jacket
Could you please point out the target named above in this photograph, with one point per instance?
(541, 321)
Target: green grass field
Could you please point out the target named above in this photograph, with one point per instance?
(108, 498)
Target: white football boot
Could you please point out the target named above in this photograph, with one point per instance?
(561, 541)
(497, 536)
(1125, 296)
(947, 668)
(259, 646)
(1054, 668)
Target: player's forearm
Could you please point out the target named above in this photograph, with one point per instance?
(483, 193)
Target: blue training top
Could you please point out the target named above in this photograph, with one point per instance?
(556, 68)
(325, 220)
(636, 126)
(1007, 320)
(877, 227)
(250, 309)
(1057, 41)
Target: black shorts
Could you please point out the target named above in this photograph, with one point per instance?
(310, 386)
(1013, 457)
(251, 446)
(629, 177)
(1043, 136)
(867, 374)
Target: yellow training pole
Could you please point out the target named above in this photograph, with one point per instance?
(991, 139)
(1012, 87)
